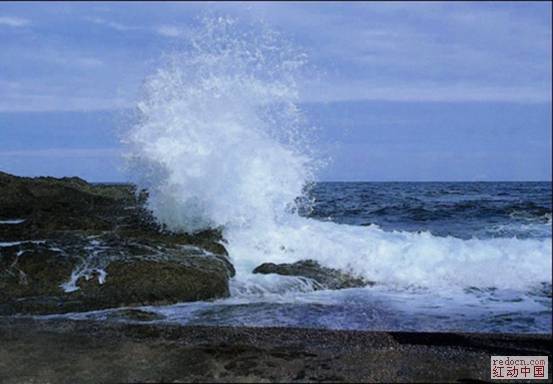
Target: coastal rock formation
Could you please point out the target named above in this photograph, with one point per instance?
(139, 351)
(67, 245)
(326, 278)
(133, 314)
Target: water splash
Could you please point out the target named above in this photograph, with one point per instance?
(219, 132)
(220, 142)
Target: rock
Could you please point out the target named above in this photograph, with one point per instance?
(60, 204)
(134, 315)
(65, 351)
(326, 278)
(67, 245)
(30, 269)
(177, 275)
(104, 272)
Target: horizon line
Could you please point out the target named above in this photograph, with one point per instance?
(317, 181)
(375, 181)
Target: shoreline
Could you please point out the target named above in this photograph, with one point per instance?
(87, 351)
(67, 230)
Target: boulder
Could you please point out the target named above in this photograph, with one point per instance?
(29, 269)
(179, 276)
(54, 277)
(67, 245)
(325, 278)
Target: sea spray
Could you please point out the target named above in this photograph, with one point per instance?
(218, 137)
(220, 142)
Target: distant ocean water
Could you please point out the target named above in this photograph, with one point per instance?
(461, 209)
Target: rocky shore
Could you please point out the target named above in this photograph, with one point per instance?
(63, 351)
(67, 245)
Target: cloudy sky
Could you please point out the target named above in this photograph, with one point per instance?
(405, 91)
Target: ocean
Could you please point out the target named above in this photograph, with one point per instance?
(445, 256)
(466, 210)
(220, 141)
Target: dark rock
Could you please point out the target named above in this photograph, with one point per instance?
(134, 315)
(176, 276)
(67, 245)
(36, 278)
(85, 351)
(326, 278)
(59, 204)
(30, 269)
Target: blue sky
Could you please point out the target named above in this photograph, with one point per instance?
(405, 91)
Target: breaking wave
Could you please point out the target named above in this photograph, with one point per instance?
(221, 142)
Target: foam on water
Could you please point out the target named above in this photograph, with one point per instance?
(398, 258)
(12, 221)
(14, 243)
(92, 266)
(220, 142)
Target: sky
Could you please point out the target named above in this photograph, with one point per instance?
(404, 91)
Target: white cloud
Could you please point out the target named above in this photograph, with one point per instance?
(27, 102)
(165, 30)
(346, 90)
(61, 56)
(170, 31)
(63, 152)
(113, 24)
(16, 22)
(362, 51)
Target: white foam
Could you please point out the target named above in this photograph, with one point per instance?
(12, 243)
(87, 274)
(250, 285)
(12, 222)
(396, 258)
(91, 266)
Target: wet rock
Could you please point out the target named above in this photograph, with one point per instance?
(177, 276)
(326, 278)
(30, 269)
(49, 204)
(67, 245)
(134, 315)
(65, 276)
(85, 351)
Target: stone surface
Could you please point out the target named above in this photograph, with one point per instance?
(67, 245)
(326, 278)
(61, 351)
(134, 315)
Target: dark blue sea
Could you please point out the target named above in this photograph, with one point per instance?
(459, 209)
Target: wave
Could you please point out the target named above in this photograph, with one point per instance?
(219, 134)
(220, 142)
(476, 208)
(400, 259)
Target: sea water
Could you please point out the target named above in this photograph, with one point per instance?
(220, 141)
